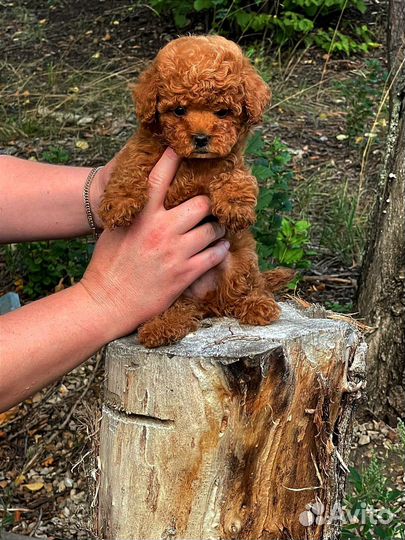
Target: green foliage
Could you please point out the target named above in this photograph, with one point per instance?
(291, 241)
(376, 506)
(56, 155)
(280, 240)
(340, 308)
(7, 519)
(361, 93)
(43, 265)
(332, 41)
(312, 21)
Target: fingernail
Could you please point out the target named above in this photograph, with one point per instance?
(220, 230)
(227, 245)
(170, 152)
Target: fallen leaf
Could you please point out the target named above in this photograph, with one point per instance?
(342, 137)
(36, 398)
(49, 488)
(85, 120)
(83, 145)
(35, 486)
(63, 391)
(8, 415)
(19, 284)
(20, 479)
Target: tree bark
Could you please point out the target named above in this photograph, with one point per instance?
(235, 432)
(381, 297)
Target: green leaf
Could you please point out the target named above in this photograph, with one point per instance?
(286, 228)
(262, 172)
(199, 5)
(356, 478)
(181, 20)
(265, 198)
(302, 226)
(255, 145)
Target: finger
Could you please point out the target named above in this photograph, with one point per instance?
(189, 214)
(161, 176)
(207, 259)
(201, 237)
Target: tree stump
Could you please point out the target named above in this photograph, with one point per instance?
(235, 432)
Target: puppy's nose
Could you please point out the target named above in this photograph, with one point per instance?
(201, 140)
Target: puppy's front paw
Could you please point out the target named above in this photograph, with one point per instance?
(234, 215)
(119, 211)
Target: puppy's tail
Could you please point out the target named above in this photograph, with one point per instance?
(277, 279)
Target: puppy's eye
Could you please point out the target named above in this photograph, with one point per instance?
(180, 111)
(222, 113)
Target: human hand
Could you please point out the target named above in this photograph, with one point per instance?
(137, 272)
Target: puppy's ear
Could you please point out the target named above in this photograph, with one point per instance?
(257, 93)
(145, 95)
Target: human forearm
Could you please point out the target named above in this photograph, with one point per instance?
(45, 339)
(136, 272)
(43, 201)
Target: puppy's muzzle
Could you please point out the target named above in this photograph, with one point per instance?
(201, 141)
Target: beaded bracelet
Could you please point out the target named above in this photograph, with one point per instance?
(86, 199)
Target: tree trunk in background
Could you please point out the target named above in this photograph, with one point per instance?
(382, 288)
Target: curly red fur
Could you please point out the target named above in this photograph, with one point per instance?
(205, 76)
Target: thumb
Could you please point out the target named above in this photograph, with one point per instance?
(161, 176)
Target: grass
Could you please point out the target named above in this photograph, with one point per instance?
(45, 96)
(59, 104)
(341, 226)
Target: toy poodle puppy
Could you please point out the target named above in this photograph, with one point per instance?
(201, 96)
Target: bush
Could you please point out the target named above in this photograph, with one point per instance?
(310, 21)
(42, 266)
(280, 240)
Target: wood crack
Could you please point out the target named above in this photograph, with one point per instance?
(136, 418)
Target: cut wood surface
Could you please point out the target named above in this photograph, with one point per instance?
(235, 432)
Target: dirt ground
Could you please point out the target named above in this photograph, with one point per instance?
(64, 71)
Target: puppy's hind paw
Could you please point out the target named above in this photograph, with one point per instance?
(257, 310)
